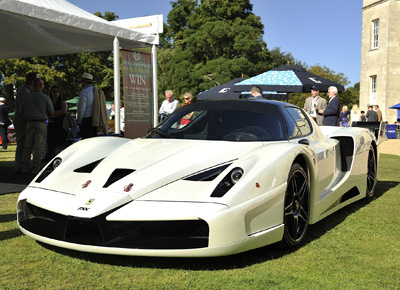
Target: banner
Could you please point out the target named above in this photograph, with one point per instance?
(137, 82)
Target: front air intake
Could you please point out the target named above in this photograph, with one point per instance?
(97, 231)
(88, 168)
(117, 174)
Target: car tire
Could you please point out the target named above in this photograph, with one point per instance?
(296, 206)
(371, 174)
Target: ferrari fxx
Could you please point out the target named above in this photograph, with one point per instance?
(237, 175)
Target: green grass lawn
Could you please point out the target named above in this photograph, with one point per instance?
(7, 157)
(355, 248)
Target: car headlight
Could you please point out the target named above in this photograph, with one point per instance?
(56, 162)
(236, 174)
(49, 169)
(228, 182)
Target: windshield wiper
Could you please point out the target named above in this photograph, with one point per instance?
(160, 132)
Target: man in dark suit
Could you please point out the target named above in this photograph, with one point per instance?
(332, 110)
(372, 116)
(256, 93)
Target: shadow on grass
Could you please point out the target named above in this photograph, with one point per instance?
(317, 230)
(10, 181)
(10, 234)
(5, 218)
(241, 260)
(236, 261)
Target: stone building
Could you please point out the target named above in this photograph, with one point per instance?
(380, 56)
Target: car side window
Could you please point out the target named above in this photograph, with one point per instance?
(298, 125)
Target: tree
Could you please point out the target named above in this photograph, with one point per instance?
(204, 45)
(279, 58)
(210, 43)
(351, 96)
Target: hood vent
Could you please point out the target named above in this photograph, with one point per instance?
(208, 175)
(117, 174)
(89, 167)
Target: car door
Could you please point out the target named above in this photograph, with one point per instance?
(300, 130)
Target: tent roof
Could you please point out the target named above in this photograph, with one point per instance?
(55, 27)
(288, 79)
(221, 92)
(395, 107)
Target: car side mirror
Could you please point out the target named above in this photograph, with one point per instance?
(304, 142)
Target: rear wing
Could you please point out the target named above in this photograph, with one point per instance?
(378, 128)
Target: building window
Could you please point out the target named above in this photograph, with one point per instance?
(375, 33)
(373, 90)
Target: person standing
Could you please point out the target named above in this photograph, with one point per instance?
(372, 116)
(313, 104)
(332, 111)
(355, 115)
(4, 123)
(111, 112)
(85, 107)
(19, 118)
(168, 106)
(363, 118)
(122, 118)
(344, 117)
(187, 98)
(56, 134)
(92, 111)
(256, 93)
(37, 108)
(378, 113)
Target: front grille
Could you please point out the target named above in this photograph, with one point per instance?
(187, 234)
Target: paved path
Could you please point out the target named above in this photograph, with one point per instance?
(390, 146)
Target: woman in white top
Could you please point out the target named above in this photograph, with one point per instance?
(354, 114)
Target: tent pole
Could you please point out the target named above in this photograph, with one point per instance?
(116, 86)
(155, 84)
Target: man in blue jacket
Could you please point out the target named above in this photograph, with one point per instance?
(332, 110)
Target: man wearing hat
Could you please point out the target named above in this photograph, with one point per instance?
(4, 123)
(91, 108)
(85, 107)
(315, 103)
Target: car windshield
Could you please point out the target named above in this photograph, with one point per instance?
(238, 122)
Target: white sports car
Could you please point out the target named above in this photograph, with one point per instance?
(237, 175)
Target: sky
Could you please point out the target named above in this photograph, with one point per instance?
(327, 33)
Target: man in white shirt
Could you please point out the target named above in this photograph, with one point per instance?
(168, 106)
(85, 107)
(313, 104)
(122, 118)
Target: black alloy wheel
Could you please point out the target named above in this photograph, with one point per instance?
(296, 210)
(371, 174)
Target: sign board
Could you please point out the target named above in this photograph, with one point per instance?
(137, 83)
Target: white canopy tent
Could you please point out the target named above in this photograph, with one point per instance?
(55, 27)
